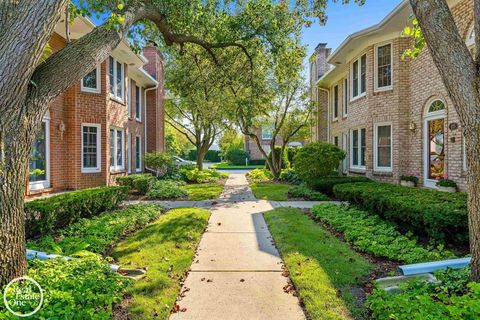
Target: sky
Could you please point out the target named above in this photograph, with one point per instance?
(344, 20)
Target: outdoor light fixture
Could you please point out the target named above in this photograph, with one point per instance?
(412, 126)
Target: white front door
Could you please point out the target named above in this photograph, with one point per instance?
(39, 164)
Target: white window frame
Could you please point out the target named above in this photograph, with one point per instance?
(113, 94)
(44, 184)
(129, 152)
(116, 167)
(376, 87)
(335, 118)
(138, 164)
(139, 111)
(93, 90)
(359, 69)
(270, 136)
(359, 166)
(99, 148)
(129, 98)
(375, 147)
(345, 98)
(464, 145)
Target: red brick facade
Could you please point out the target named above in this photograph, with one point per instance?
(76, 107)
(415, 85)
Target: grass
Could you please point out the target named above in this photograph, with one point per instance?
(228, 166)
(270, 191)
(165, 249)
(324, 269)
(206, 191)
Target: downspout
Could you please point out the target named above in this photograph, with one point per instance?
(145, 116)
(328, 112)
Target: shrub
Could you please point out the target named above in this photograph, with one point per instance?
(167, 189)
(257, 162)
(78, 289)
(446, 183)
(410, 178)
(454, 298)
(160, 162)
(259, 175)
(47, 215)
(236, 156)
(278, 151)
(371, 234)
(99, 233)
(203, 176)
(306, 193)
(325, 185)
(128, 181)
(439, 215)
(291, 153)
(211, 155)
(318, 160)
(143, 184)
(289, 175)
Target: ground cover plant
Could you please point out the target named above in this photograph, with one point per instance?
(47, 215)
(167, 189)
(453, 298)
(440, 216)
(228, 166)
(305, 193)
(259, 175)
(369, 233)
(325, 185)
(202, 176)
(99, 233)
(206, 191)
(165, 249)
(324, 270)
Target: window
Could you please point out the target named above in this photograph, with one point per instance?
(345, 97)
(335, 102)
(138, 103)
(91, 155)
(383, 147)
(116, 76)
(129, 98)
(138, 153)
(471, 40)
(91, 82)
(357, 148)
(117, 152)
(39, 164)
(359, 77)
(267, 132)
(383, 67)
(335, 141)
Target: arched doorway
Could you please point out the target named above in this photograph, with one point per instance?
(434, 142)
(39, 164)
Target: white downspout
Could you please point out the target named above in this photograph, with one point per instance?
(328, 112)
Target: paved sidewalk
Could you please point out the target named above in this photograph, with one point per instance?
(237, 273)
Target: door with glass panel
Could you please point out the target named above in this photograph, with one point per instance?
(39, 164)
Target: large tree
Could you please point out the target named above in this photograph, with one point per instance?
(28, 85)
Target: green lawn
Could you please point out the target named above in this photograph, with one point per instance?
(166, 249)
(227, 166)
(205, 191)
(270, 191)
(324, 269)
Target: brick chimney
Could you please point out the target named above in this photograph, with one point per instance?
(321, 55)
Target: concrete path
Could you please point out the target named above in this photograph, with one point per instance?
(237, 273)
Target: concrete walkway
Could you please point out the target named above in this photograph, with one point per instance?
(237, 273)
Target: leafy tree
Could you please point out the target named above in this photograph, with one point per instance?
(230, 140)
(175, 143)
(317, 159)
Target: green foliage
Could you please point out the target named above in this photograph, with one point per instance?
(259, 175)
(161, 162)
(210, 156)
(230, 140)
(98, 234)
(228, 166)
(323, 269)
(270, 191)
(325, 185)
(304, 192)
(414, 31)
(206, 191)
(167, 189)
(165, 249)
(129, 180)
(278, 155)
(291, 153)
(317, 160)
(257, 162)
(370, 234)
(454, 298)
(410, 178)
(446, 183)
(237, 156)
(143, 184)
(47, 215)
(203, 176)
(85, 288)
(289, 175)
(439, 215)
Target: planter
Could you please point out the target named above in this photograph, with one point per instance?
(405, 183)
(447, 189)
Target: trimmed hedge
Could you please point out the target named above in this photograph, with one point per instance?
(257, 162)
(440, 216)
(306, 193)
(325, 185)
(129, 181)
(44, 216)
(168, 189)
(369, 233)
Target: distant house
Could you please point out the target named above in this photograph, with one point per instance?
(101, 127)
(265, 133)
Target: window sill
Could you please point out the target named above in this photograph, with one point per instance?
(358, 170)
(86, 171)
(138, 120)
(335, 119)
(118, 100)
(117, 171)
(363, 95)
(383, 89)
(90, 91)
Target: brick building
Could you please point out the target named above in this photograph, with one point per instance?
(391, 115)
(102, 126)
(265, 133)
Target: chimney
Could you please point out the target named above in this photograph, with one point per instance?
(321, 55)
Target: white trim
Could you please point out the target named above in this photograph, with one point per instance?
(93, 90)
(139, 144)
(113, 94)
(335, 118)
(138, 111)
(359, 145)
(129, 153)
(116, 167)
(375, 147)
(99, 148)
(359, 70)
(270, 136)
(44, 184)
(345, 96)
(427, 117)
(470, 40)
(375, 71)
(129, 98)
(345, 148)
